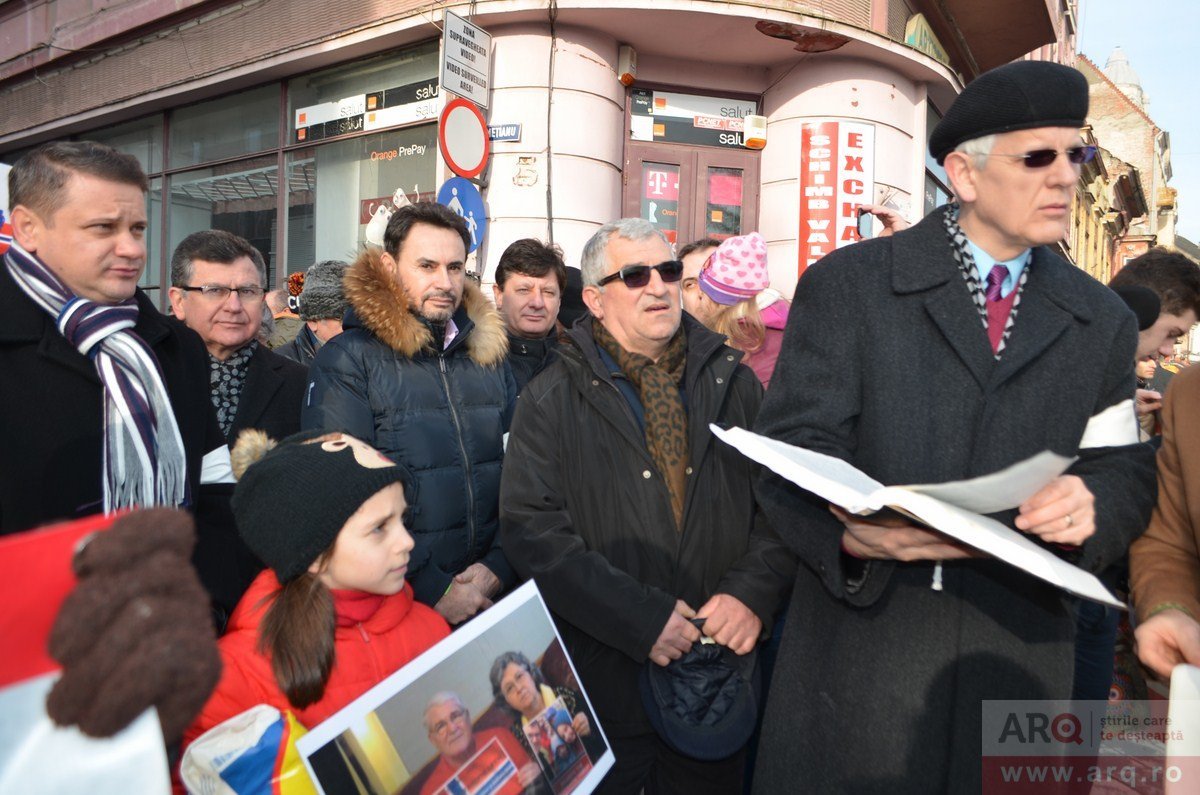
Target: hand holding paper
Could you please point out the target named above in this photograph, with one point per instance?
(892, 538)
(1062, 512)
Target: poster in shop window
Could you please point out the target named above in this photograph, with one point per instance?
(837, 174)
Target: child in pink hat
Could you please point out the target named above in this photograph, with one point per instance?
(730, 282)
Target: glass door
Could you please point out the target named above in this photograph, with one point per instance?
(691, 192)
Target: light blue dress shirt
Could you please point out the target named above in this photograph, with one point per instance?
(984, 263)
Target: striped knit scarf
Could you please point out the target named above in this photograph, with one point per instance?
(144, 461)
(966, 265)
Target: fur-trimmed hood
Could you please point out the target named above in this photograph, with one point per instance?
(381, 306)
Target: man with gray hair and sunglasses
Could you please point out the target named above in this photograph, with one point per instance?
(639, 526)
(964, 344)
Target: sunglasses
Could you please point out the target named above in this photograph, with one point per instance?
(1040, 158)
(635, 276)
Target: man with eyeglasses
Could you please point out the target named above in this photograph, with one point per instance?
(636, 523)
(965, 344)
(450, 731)
(217, 291)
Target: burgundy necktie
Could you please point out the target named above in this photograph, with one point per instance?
(995, 278)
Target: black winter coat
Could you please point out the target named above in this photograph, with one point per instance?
(885, 363)
(527, 358)
(52, 425)
(302, 348)
(443, 415)
(586, 514)
(271, 397)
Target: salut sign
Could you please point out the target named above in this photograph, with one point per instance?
(837, 174)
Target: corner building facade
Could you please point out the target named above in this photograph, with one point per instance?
(290, 124)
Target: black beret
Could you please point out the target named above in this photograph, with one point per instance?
(1018, 96)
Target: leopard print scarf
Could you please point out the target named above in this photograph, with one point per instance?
(657, 384)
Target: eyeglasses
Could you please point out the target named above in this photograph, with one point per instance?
(442, 726)
(219, 292)
(1040, 158)
(635, 276)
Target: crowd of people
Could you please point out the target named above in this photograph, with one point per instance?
(411, 450)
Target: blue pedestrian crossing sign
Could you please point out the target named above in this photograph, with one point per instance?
(463, 198)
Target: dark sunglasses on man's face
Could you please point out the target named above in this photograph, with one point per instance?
(635, 276)
(1040, 158)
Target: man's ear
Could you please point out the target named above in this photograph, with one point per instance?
(497, 296)
(961, 171)
(390, 263)
(593, 299)
(28, 227)
(176, 296)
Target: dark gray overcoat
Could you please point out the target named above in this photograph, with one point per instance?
(887, 364)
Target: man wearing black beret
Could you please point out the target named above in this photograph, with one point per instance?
(966, 345)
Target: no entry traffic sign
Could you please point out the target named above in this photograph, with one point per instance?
(463, 138)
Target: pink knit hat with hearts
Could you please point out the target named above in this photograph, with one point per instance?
(737, 270)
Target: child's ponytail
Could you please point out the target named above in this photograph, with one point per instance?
(297, 637)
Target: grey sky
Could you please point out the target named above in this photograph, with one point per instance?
(1159, 40)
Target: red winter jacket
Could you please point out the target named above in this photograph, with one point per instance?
(365, 654)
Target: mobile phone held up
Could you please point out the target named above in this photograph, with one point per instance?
(864, 223)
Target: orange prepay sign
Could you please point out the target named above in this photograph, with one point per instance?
(463, 138)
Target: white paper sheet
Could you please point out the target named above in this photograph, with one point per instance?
(844, 485)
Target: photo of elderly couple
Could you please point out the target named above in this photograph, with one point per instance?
(495, 709)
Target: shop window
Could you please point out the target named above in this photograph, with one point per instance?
(237, 197)
(724, 199)
(215, 163)
(659, 197)
(690, 192)
(152, 275)
(235, 125)
(935, 194)
(141, 138)
(937, 185)
(334, 189)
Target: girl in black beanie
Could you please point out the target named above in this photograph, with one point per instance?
(332, 615)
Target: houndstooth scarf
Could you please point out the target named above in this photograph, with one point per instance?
(143, 460)
(961, 250)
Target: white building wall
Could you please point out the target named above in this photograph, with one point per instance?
(835, 89)
(586, 121)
